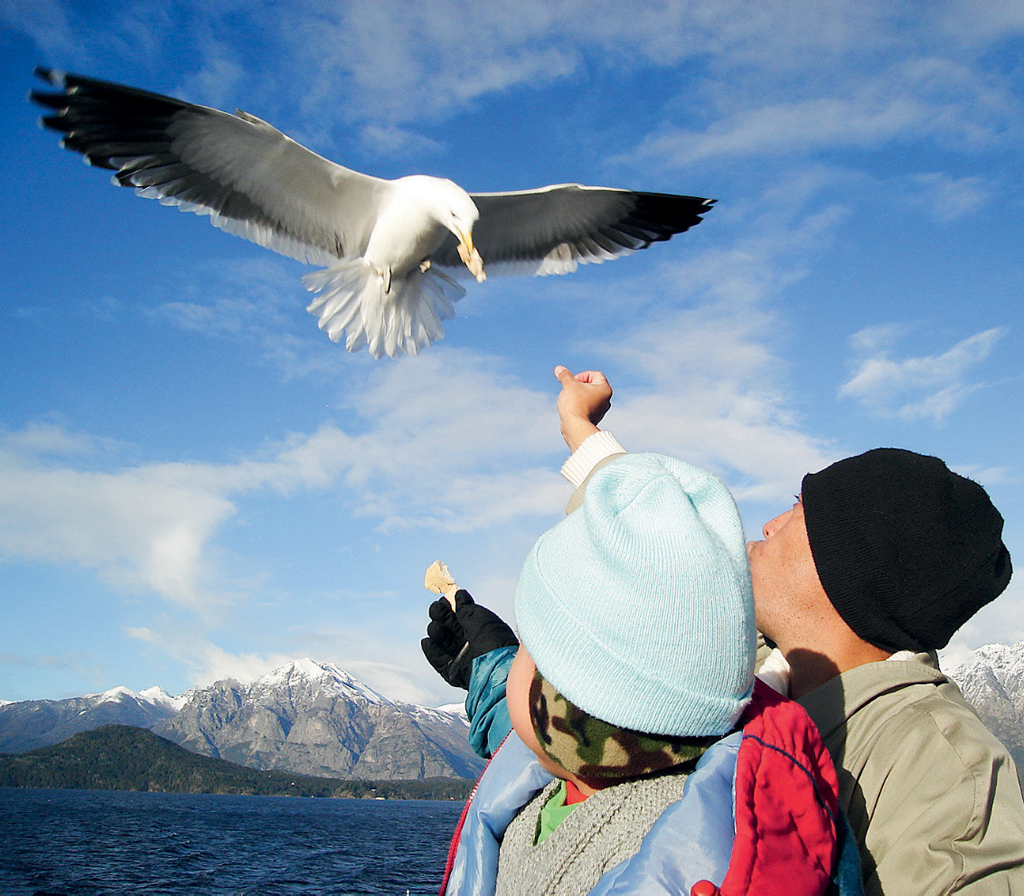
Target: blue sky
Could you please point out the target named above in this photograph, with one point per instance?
(195, 482)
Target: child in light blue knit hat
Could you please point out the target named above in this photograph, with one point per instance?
(637, 650)
(638, 607)
(642, 757)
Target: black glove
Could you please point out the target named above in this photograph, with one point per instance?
(455, 638)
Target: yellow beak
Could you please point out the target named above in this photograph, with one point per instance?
(470, 257)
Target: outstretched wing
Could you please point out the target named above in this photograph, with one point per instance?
(553, 229)
(251, 179)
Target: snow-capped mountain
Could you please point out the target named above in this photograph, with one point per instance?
(29, 724)
(154, 696)
(298, 673)
(316, 719)
(307, 717)
(992, 681)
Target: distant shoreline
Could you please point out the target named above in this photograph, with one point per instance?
(123, 758)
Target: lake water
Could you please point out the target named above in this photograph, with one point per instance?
(88, 841)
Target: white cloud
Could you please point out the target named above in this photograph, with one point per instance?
(65, 661)
(989, 476)
(141, 529)
(259, 301)
(448, 441)
(801, 79)
(412, 62)
(915, 99)
(982, 23)
(211, 663)
(710, 383)
(190, 643)
(926, 386)
(996, 623)
(795, 126)
(49, 439)
(437, 452)
(44, 21)
(218, 80)
(249, 296)
(390, 139)
(380, 64)
(947, 198)
(715, 395)
(392, 680)
(404, 676)
(142, 633)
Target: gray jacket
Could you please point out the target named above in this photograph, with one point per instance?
(932, 796)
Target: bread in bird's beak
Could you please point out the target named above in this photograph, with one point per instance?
(470, 257)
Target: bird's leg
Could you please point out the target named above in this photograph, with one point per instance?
(385, 275)
(424, 265)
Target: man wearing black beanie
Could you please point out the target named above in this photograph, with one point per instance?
(906, 550)
(881, 559)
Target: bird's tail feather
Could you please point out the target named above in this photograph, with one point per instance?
(351, 300)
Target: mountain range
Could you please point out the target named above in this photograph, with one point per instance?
(38, 723)
(992, 681)
(306, 717)
(315, 719)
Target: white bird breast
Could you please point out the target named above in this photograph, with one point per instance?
(411, 226)
(390, 247)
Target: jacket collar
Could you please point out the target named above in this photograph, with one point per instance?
(832, 703)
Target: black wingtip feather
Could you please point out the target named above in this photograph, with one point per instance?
(660, 216)
(50, 75)
(50, 100)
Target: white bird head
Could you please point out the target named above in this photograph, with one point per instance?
(459, 217)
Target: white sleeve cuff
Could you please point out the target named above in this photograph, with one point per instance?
(594, 448)
(775, 673)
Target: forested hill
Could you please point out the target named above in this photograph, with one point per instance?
(121, 757)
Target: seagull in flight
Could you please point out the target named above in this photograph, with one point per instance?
(390, 249)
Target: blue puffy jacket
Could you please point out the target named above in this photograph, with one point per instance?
(694, 838)
(691, 841)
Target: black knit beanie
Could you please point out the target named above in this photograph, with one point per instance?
(906, 550)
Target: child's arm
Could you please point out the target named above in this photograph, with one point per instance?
(450, 647)
(472, 648)
(489, 723)
(584, 400)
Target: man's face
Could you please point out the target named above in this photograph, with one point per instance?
(787, 591)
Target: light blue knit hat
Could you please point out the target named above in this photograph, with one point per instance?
(638, 607)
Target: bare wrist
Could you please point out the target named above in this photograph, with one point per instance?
(575, 430)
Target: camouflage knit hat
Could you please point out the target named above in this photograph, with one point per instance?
(591, 749)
